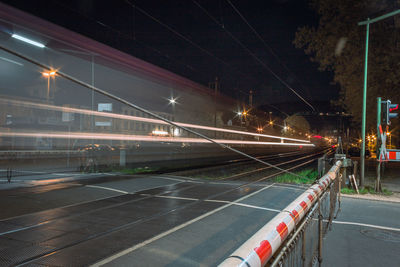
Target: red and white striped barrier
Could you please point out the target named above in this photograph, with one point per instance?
(393, 155)
(256, 251)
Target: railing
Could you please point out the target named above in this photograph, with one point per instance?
(294, 236)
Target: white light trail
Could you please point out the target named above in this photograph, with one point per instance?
(29, 41)
(141, 119)
(11, 61)
(144, 138)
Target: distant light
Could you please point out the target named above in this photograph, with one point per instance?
(239, 113)
(245, 113)
(141, 119)
(388, 133)
(26, 40)
(394, 108)
(271, 122)
(101, 136)
(159, 132)
(317, 136)
(177, 132)
(49, 73)
(259, 129)
(172, 100)
(285, 128)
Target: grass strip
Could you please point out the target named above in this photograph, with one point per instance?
(308, 177)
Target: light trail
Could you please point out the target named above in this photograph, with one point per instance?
(134, 106)
(144, 138)
(140, 119)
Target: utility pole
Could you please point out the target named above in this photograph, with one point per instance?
(364, 107)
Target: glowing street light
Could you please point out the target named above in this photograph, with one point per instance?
(49, 74)
(172, 101)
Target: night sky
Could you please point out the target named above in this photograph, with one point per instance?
(206, 39)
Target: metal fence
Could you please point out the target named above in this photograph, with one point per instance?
(304, 246)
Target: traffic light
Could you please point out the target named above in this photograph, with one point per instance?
(388, 110)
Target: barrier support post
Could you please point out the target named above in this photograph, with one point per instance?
(320, 219)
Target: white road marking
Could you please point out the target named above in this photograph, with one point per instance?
(108, 188)
(291, 187)
(244, 205)
(368, 225)
(172, 197)
(62, 207)
(180, 180)
(176, 228)
(215, 201)
(150, 188)
(229, 183)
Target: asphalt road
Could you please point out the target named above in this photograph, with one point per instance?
(366, 233)
(134, 221)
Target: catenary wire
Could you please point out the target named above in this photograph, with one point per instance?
(126, 102)
(266, 45)
(253, 55)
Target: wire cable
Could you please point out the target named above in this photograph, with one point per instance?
(133, 38)
(266, 45)
(253, 55)
(126, 102)
(183, 37)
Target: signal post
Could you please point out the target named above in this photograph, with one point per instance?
(385, 112)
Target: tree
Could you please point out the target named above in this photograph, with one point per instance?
(338, 44)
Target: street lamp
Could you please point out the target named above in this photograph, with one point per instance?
(49, 74)
(364, 107)
(172, 101)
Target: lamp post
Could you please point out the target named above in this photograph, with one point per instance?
(48, 75)
(364, 107)
(172, 102)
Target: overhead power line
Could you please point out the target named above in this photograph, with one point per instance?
(266, 45)
(183, 37)
(253, 55)
(131, 37)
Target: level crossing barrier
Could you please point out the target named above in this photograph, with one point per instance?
(294, 236)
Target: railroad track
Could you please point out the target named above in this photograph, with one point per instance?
(85, 211)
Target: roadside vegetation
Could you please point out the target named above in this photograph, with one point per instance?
(137, 170)
(366, 190)
(308, 177)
